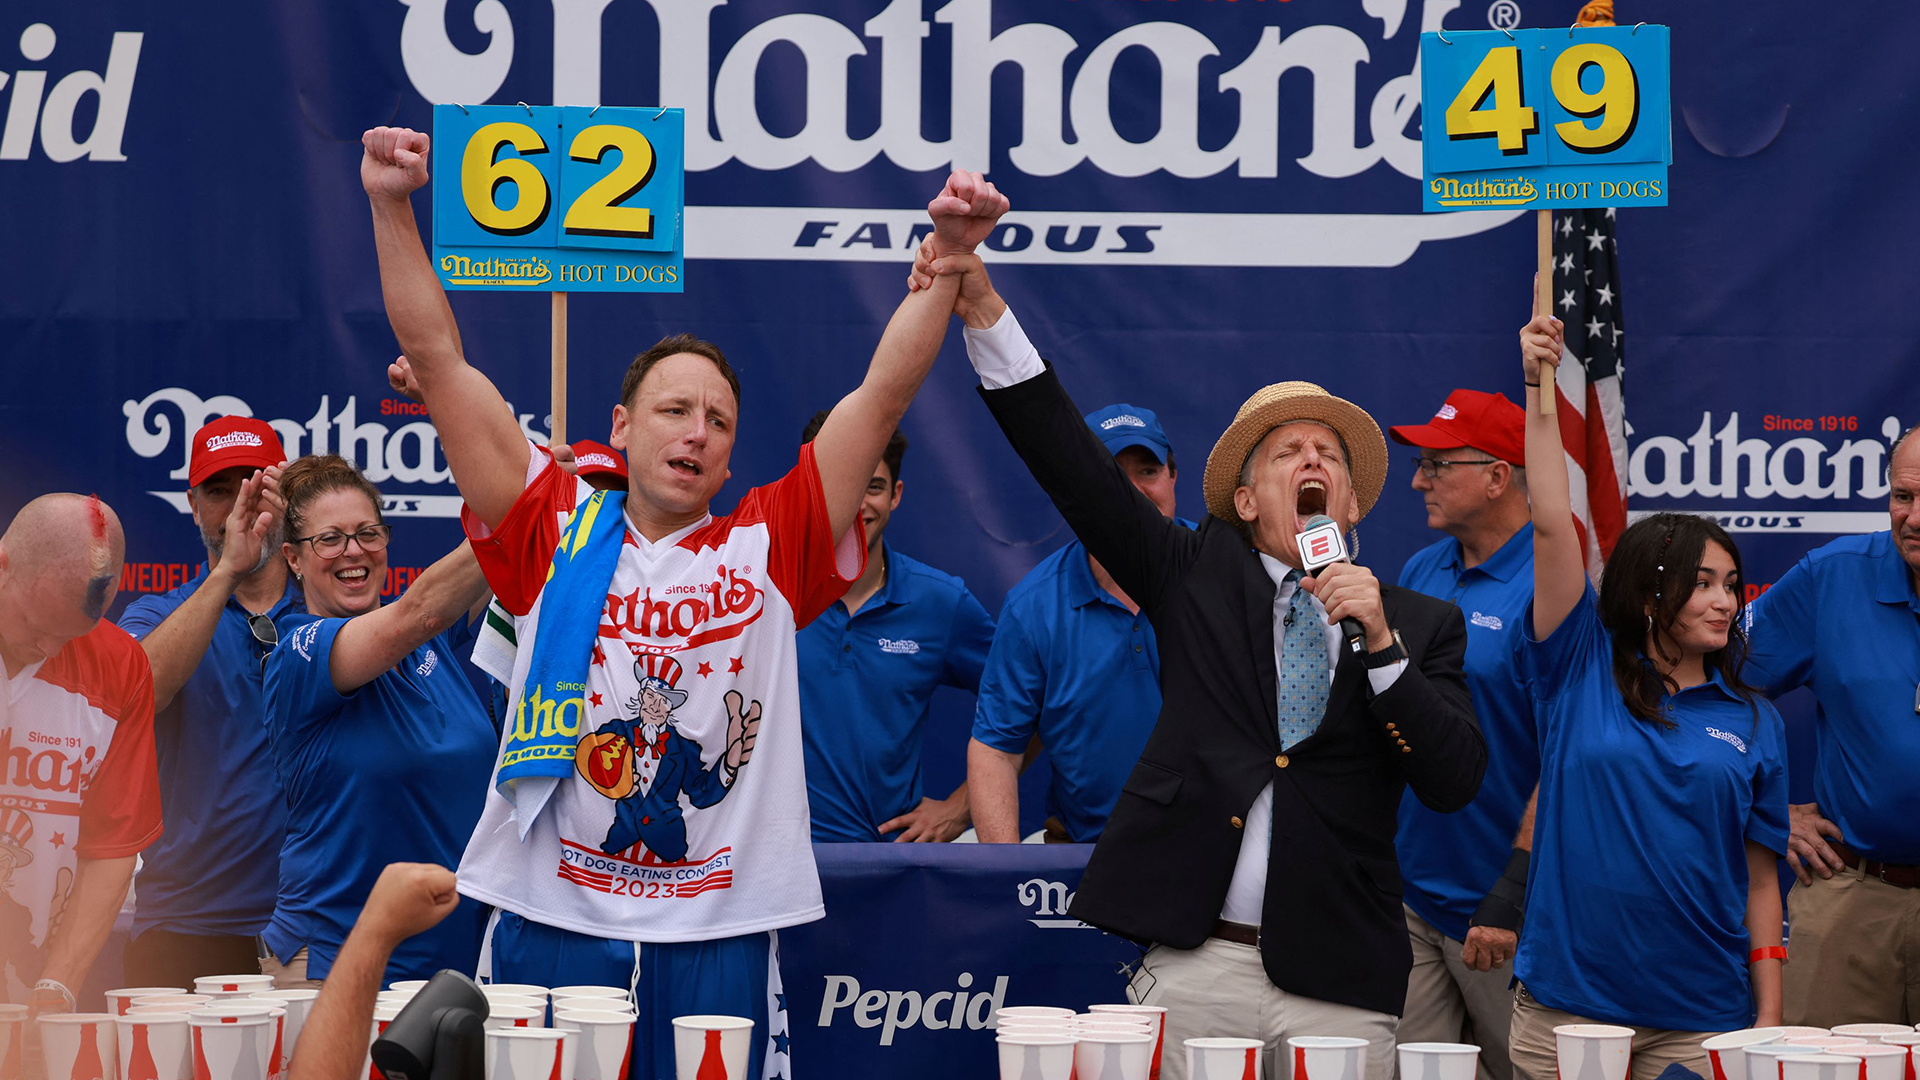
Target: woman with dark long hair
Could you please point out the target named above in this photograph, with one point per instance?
(381, 743)
(1653, 899)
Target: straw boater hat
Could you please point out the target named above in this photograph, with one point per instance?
(1283, 403)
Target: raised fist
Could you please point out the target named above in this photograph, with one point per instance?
(965, 212)
(395, 163)
(742, 728)
(407, 899)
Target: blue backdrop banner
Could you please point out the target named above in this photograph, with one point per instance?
(1208, 197)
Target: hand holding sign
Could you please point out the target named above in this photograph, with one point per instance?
(394, 165)
(1541, 341)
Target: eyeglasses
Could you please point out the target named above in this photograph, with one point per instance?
(329, 545)
(265, 634)
(1430, 467)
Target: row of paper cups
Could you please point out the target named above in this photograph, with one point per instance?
(150, 1036)
(1867, 1051)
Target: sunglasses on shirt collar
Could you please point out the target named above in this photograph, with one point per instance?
(265, 634)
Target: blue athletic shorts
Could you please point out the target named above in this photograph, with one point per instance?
(738, 976)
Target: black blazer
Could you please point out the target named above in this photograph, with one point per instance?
(1332, 927)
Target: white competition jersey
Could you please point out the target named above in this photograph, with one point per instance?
(651, 838)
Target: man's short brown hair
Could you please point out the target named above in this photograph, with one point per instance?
(671, 346)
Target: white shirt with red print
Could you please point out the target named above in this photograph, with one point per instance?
(78, 780)
(710, 609)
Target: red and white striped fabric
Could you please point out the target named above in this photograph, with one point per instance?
(1592, 408)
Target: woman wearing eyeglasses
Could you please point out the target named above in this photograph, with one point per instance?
(382, 745)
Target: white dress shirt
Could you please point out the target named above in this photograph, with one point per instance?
(1002, 356)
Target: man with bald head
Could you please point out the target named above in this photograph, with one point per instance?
(1845, 623)
(79, 787)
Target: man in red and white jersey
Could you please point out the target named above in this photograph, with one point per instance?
(677, 839)
(79, 787)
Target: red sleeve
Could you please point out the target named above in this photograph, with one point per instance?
(802, 559)
(120, 810)
(516, 556)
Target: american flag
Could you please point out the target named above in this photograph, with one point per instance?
(1586, 298)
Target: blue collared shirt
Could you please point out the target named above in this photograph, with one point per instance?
(1449, 861)
(217, 862)
(1637, 894)
(866, 686)
(1846, 623)
(1072, 664)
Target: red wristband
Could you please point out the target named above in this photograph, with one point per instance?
(1771, 952)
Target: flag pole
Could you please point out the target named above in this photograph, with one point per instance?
(1543, 301)
(559, 388)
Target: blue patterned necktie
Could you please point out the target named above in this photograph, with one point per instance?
(1303, 668)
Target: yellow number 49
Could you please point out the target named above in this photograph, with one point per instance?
(1507, 120)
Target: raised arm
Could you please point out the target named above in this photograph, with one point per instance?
(484, 446)
(370, 644)
(856, 431)
(176, 646)
(1559, 567)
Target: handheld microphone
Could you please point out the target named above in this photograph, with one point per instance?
(1321, 545)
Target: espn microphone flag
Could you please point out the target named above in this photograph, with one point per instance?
(1586, 299)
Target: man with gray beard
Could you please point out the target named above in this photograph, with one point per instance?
(207, 887)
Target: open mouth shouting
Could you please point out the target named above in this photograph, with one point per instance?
(1309, 501)
(686, 467)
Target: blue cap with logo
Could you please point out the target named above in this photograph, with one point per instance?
(1120, 426)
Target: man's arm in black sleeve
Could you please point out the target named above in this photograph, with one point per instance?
(1432, 713)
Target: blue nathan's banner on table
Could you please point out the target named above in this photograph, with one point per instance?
(1208, 197)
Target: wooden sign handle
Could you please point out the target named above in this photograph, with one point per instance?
(559, 389)
(1543, 302)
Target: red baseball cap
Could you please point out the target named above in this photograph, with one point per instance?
(233, 441)
(1486, 422)
(598, 459)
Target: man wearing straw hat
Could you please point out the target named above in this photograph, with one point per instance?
(1252, 845)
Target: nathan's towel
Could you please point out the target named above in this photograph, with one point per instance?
(551, 713)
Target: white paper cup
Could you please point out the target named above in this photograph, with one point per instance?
(1113, 1055)
(1034, 1055)
(1444, 1061)
(157, 1046)
(216, 985)
(411, 986)
(528, 1054)
(573, 1004)
(1030, 1012)
(172, 999)
(1874, 1029)
(1882, 1062)
(1763, 1060)
(80, 1046)
(1726, 1053)
(1318, 1057)
(1122, 1029)
(1224, 1059)
(620, 992)
(1045, 1023)
(1821, 1066)
(492, 990)
(1820, 1042)
(605, 1043)
(13, 1039)
(515, 1016)
(178, 1010)
(246, 1007)
(1793, 1030)
(119, 1001)
(299, 1005)
(705, 1043)
(525, 1001)
(1156, 1017)
(383, 1014)
(232, 1047)
(1593, 1051)
(1902, 1039)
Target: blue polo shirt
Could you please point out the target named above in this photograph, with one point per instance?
(395, 771)
(216, 866)
(1845, 622)
(1637, 895)
(866, 686)
(1449, 861)
(1071, 663)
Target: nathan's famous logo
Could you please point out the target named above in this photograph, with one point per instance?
(496, 270)
(1049, 901)
(40, 762)
(690, 615)
(1717, 462)
(1482, 191)
(233, 438)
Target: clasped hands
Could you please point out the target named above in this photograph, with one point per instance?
(965, 212)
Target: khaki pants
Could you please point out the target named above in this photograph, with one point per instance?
(289, 976)
(1855, 952)
(1536, 1057)
(1221, 989)
(1447, 1001)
